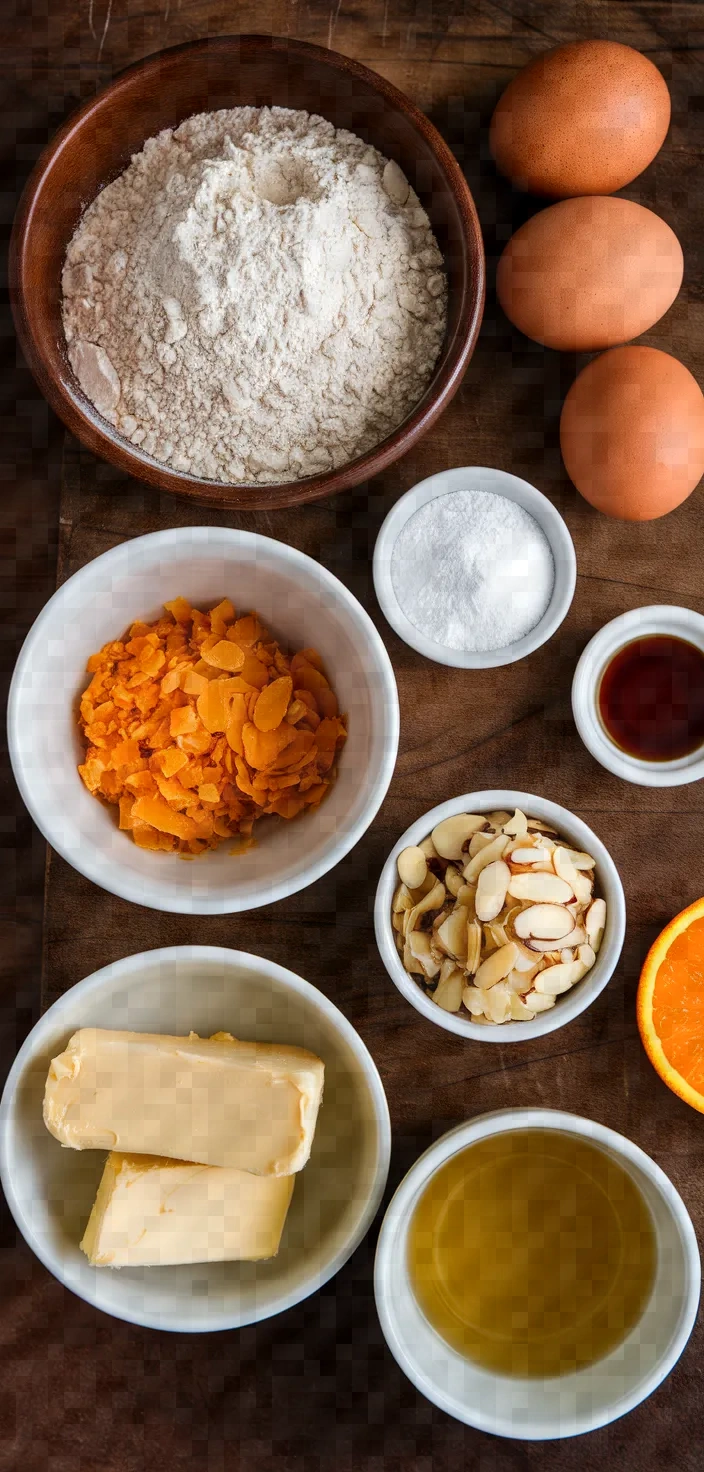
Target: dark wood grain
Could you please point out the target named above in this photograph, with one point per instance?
(316, 1388)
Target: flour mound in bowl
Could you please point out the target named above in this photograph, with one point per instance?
(259, 297)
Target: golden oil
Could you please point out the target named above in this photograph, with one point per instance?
(532, 1253)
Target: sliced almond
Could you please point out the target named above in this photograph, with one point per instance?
(492, 887)
(487, 855)
(412, 965)
(452, 834)
(566, 956)
(519, 1011)
(595, 922)
(557, 979)
(587, 957)
(474, 946)
(541, 825)
(526, 963)
(498, 818)
(480, 841)
(452, 935)
(498, 933)
(474, 1000)
(448, 993)
(564, 867)
(576, 937)
(453, 880)
(403, 900)
(522, 981)
(497, 966)
(497, 1003)
(428, 848)
(538, 1002)
(397, 921)
(517, 825)
(433, 900)
(412, 867)
(419, 947)
(543, 922)
(465, 896)
(537, 855)
(545, 889)
(580, 860)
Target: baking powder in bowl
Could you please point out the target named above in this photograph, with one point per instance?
(473, 571)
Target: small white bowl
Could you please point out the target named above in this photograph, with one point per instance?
(571, 1003)
(50, 1189)
(639, 623)
(303, 605)
(499, 483)
(567, 1405)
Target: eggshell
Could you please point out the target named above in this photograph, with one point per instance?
(585, 118)
(589, 273)
(632, 433)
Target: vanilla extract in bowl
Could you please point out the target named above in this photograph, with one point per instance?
(532, 1253)
(651, 698)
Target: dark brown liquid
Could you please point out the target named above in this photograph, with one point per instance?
(651, 698)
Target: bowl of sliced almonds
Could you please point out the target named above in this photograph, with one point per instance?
(500, 916)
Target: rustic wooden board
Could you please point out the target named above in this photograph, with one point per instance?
(317, 1387)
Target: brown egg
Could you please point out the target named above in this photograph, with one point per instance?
(582, 119)
(589, 273)
(632, 433)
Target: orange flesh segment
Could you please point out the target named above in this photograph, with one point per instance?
(678, 1005)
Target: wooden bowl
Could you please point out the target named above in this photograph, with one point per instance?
(96, 145)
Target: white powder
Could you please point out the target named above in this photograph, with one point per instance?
(258, 297)
(473, 571)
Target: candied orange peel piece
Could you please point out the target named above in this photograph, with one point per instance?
(197, 724)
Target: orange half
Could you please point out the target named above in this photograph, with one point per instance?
(670, 1005)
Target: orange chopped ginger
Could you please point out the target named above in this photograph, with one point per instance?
(199, 723)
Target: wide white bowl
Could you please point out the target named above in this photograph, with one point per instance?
(498, 483)
(303, 605)
(50, 1189)
(638, 623)
(565, 1405)
(571, 1003)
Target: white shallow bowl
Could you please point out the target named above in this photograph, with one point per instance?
(499, 483)
(302, 604)
(639, 623)
(567, 1405)
(50, 1189)
(571, 1003)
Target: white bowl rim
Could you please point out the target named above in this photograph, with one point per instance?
(513, 488)
(497, 1122)
(164, 955)
(125, 887)
(572, 1003)
(653, 619)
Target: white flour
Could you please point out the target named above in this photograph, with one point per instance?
(258, 297)
(473, 571)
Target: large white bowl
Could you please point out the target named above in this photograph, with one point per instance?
(571, 1003)
(495, 482)
(50, 1189)
(303, 605)
(565, 1405)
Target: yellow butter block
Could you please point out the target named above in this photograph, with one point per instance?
(215, 1101)
(150, 1212)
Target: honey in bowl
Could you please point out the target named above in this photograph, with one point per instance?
(532, 1253)
(651, 698)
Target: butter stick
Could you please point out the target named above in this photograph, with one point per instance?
(215, 1101)
(150, 1212)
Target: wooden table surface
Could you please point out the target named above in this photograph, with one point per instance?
(317, 1388)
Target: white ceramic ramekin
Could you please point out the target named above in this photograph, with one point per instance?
(639, 623)
(51, 1189)
(571, 1003)
(499, 483)
(302, 604)
(568, 1405)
